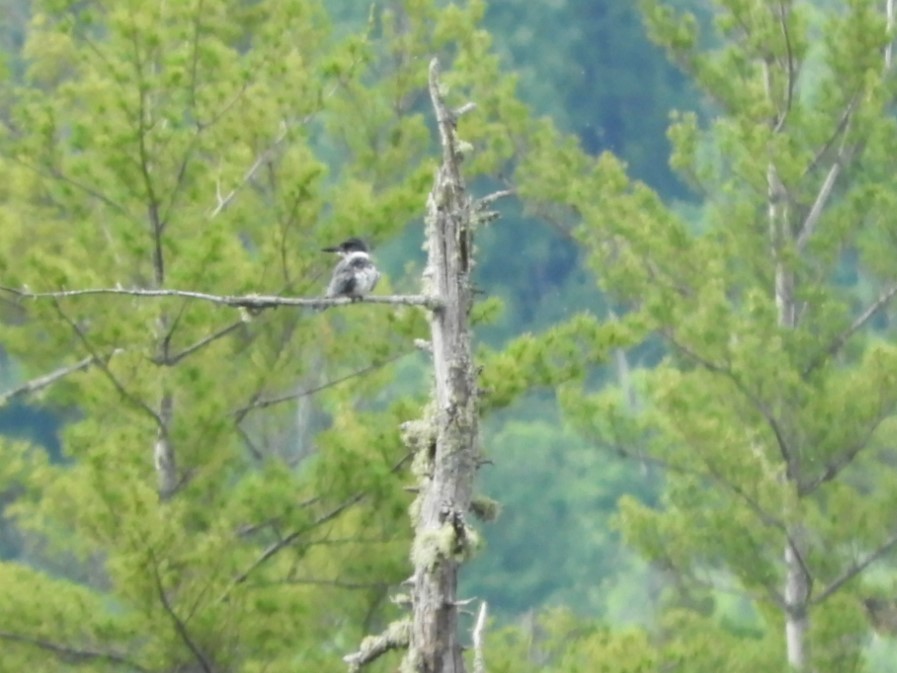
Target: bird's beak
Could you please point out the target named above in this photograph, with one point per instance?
(333, 249)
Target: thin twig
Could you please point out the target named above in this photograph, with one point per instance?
(855, 570)
(181, 178)
(752, 503)
(256, 452)
(125, 394)
(157, 224)
(792, 71)
(289, 539)
(223, 201)
(171, 360)
(179, 625)
(838, 342)
(292, 537)
(274, 522)
(773, 423)
(46, 380)
(311, 581)
(52, 172)
(711, 474)
(834, 467)
(843, 121)
(71, 654)
(271, 401)
(822, 197)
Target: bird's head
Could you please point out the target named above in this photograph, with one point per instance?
(348, 246)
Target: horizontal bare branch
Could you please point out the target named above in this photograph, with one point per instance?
(256, 302)
(485, 201)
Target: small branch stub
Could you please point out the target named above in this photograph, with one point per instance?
(479, 660)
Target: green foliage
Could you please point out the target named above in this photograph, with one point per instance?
(562, 353)
(553, 543)
(215, 148)
(556, 640)
(771, 411)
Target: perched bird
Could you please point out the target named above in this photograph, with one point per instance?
(355, 274)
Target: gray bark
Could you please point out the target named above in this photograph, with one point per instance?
(797, 619)
(163, 452)
(796, 588)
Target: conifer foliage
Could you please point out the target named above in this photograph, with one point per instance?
(230, 494)
(773, 411)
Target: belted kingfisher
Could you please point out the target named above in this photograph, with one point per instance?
(355, 274)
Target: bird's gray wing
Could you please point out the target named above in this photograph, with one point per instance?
(343, 280)
(366, 274)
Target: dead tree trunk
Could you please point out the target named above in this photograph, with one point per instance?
(442, 537)
(445, 440)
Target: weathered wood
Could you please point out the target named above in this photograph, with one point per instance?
(442, 536)
(443, 442)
